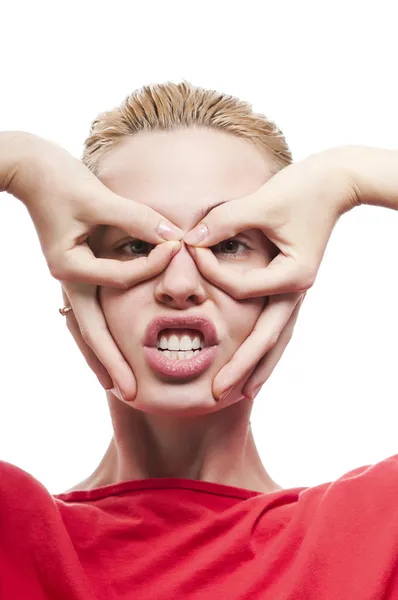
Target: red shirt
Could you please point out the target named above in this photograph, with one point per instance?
(166, 539)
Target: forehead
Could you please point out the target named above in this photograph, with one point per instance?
(182, 173)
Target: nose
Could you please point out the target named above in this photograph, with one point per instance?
(181, 285)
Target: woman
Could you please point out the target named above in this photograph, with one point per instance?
(180, 505)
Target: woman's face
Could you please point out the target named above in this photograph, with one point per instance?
(182, 174)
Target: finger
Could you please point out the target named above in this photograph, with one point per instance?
(138, 220)
(263, 337)
(95, 365)
(81, 266)
(236, 390)
(281, 276)
(95, 333)
(227, 220)
(268, 362)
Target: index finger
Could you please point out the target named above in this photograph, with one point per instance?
(138, 220)
(282, 275)
(258, 343)
(95, 333)
(81, 266)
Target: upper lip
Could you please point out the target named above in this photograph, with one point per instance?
(198, 322)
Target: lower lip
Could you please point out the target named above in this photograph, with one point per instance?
(190, 367)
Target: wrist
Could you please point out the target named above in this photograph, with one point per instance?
(331, 172)
(17, 151)
(372, 173)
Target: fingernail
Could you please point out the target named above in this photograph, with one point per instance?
(225, 393)
(168, 232)
(196, 235)
(175, 246)
(116, 392)
(251, 395)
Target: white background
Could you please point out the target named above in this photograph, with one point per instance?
(326, 72)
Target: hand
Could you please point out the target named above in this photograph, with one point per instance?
(67, 204)
(297, 210)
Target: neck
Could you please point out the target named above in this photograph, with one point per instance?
(216, 447)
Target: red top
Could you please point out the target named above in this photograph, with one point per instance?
(169, 538)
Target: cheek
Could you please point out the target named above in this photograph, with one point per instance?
(241, 316)
(120, 310)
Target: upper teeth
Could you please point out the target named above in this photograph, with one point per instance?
(179, 342)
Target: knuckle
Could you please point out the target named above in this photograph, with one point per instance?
(238, 294)
(122, 283)
(306, 279)
(59, 267)
(241, 291)
(116, 280)
(289, 334)
(55, 268)
(272, 340)
(86, 335)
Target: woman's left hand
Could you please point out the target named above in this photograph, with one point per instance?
(296, 210)
(255, 360)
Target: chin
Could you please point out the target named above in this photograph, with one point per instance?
(189, 399)
(182, 399)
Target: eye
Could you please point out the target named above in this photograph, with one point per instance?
(231, 247)
(135, 248)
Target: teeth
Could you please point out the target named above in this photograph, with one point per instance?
(174, 343)
(163, 342)
(196, 343)
(185, 342)
(174, 355)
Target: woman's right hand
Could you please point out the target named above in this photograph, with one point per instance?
(67, 203)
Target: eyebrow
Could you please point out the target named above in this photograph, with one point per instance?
(198, 215)
(201, 213)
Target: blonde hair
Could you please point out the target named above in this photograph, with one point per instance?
(171, 106)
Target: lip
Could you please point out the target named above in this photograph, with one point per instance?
(175, 368)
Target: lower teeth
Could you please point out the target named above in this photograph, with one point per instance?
(179, 354)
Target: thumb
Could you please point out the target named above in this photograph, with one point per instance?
(226, 220)
(138, 220)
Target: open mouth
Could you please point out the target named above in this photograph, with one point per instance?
(180, 344)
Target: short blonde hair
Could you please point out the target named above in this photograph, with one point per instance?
(171, 106)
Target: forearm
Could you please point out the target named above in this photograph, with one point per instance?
(36, 170)
(374, 174)
(16, 148)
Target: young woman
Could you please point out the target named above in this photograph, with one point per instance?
(182, 337)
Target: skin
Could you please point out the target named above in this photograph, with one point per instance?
(178, 429)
